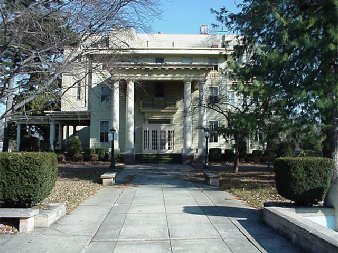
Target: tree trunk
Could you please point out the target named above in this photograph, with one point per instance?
(9, 108)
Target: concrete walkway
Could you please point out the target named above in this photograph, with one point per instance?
(158, 211)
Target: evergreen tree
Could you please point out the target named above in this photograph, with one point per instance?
(291, 46)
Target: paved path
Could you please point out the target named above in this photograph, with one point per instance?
(157, 212)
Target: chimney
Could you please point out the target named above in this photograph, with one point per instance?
(204, 29)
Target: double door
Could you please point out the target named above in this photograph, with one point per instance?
(158, 138)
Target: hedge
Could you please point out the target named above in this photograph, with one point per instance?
(26, 178)
(215, 154)
(229, 155)
(304, 180)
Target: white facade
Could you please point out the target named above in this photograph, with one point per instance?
(153, 92)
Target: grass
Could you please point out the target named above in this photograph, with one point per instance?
(72, 192)
(75, 184)
(254, 187)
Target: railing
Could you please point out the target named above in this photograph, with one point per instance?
(158, 104)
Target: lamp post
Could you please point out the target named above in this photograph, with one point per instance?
(206, 134)
(112, 163)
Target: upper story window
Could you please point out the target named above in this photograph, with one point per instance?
(78, 90)
(159, 90)
(104, 130)
(159, 60)
(214, 63)
(231, 97)
(105, 93)
(159, 95)
(213, 131)
(213, 94)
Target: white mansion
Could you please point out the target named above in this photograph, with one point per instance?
(152, 91)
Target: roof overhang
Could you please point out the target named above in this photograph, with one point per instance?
(78, 118)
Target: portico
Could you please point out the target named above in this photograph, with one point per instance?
(159, 110)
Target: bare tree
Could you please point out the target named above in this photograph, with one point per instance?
(41, 39)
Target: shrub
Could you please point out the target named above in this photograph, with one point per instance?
(304, 180)
(87, 154)
(257, 156)
(215, 154)
(30, 144)
(78, 158)
(312, 153)
(101, 152)
(229, 155)
(94, 157)
(73, 146)
(61, 158)
(268, 156)
(27, 178)
(284, 149)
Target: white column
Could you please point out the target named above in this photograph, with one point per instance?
(60, 136)
(18, 136)
(187, 119)
(129, 143)
(115, 110)
(51, 134)
(67, 130)
(202, 117)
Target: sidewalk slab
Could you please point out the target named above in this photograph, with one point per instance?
(155, 212)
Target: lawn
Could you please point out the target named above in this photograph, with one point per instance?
(253, 184)
(75, 184)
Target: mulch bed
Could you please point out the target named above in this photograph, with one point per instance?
(76, 183)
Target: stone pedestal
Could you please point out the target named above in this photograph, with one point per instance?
(108, 179)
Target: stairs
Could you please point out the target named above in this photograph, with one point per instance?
(158, 158)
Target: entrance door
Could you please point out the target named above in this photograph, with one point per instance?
(158, 138)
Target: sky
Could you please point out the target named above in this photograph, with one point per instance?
(186, 16)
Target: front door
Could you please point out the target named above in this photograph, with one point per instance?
(158, 138)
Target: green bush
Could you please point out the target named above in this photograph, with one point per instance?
(304, 180)
(61, 158)
(30, 144)
(78, 158)
(229, 155)
(87, 154)
(215, 154)
(257, 156)
(73, 146)
(26, 178)
(284, 149)
(102, 153)
(94, 157)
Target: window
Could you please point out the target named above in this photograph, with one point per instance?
(154, 139)
(78, 91)
(104, 130)
(105, 93)
(163, 139)
(171, 141)
(214, 63)
(213, 131)
(231, 97)
(159, 90)
(159, 95)
(159, 60)
(146, 139)
(213, 94)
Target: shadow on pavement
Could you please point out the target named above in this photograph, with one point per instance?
(249, 222)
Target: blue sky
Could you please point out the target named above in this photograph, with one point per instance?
(186, 16)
